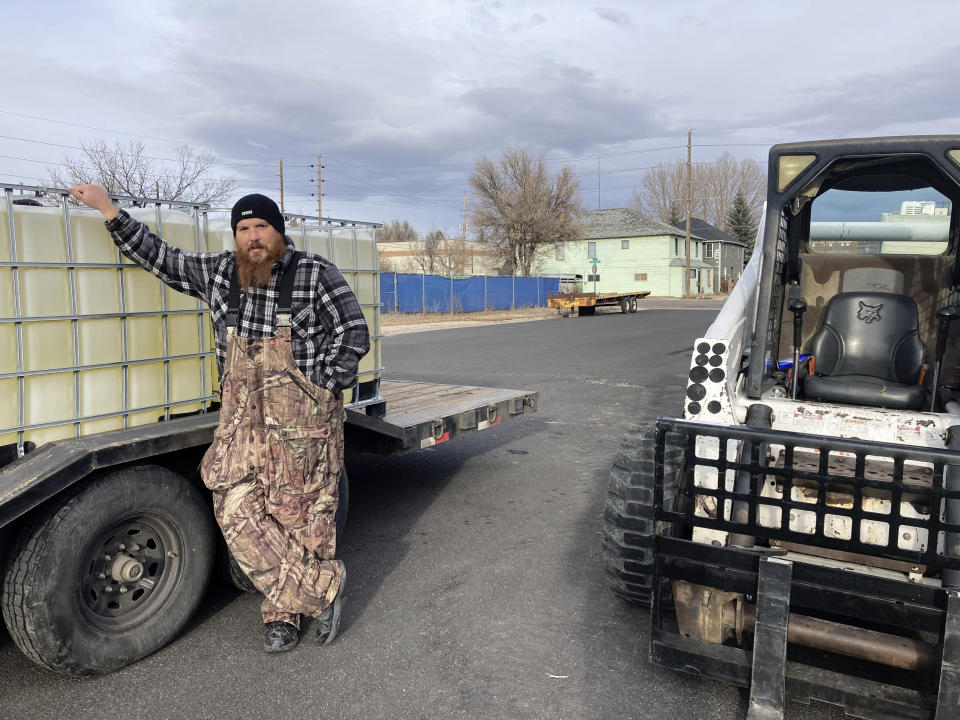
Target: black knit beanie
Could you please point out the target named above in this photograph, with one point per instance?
(257, 206)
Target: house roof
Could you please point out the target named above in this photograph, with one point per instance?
(706, 231)
(622, 223)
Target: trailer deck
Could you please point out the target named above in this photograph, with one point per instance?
(586, 303)
(418, 415)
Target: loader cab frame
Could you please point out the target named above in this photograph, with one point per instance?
(799, 174)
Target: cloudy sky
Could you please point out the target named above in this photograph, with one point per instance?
(402, 97)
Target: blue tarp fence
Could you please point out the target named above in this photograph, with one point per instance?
(408, 293)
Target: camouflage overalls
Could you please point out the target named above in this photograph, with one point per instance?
(274, 467)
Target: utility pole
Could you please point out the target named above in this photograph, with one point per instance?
(463, 227)
(281, 185)
(686, 274)
(319, 188)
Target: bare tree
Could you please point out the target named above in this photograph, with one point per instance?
(396, 231)
(427, 252)
(128, 170)
(521, 209)
(713, 187)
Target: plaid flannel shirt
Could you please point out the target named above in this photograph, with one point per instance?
(329, 334)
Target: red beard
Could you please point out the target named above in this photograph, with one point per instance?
(257, 274)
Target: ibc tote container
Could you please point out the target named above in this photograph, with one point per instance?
(90, 342)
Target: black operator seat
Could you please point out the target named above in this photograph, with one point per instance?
(868, 352)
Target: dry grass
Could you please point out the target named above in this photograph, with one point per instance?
(391, 319)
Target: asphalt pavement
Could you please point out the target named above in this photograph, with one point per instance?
(476, 588)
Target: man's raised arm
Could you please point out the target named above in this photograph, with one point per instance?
(184, 271)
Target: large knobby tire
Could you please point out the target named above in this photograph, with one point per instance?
(624, 305)
(628, 525)
(239, 579)
(110, 574)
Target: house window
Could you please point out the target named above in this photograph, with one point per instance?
(591, 250)
(624, 244)
(676, 246)
(559, 252)
(708, 250)
(640, 277)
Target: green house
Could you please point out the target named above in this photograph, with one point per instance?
(634, 253)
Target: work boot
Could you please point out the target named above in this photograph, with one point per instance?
(328, 621)
(281, 636)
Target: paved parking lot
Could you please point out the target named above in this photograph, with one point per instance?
(476, 588)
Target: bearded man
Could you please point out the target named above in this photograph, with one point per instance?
(289, 337)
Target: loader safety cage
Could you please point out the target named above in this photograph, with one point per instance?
(918, 622)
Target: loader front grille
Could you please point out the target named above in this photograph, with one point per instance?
(845, 495)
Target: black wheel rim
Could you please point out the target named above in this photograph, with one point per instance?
(128, 571)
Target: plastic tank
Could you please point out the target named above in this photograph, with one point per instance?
(90, 342)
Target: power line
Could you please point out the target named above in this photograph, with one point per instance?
(130, 154)
(122, 132)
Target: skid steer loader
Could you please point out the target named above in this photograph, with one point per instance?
(797, 531)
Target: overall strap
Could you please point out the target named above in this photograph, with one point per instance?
(233, 303)
(284, 302)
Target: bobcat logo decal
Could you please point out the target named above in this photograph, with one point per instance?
(869, 313)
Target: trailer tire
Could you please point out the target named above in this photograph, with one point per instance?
(234, 573)
(633, 304)
(628, 524)
(624, 305)
(55, 600)
(585, 310)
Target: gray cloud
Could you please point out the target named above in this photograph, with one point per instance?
(917, 93)
(617, 17)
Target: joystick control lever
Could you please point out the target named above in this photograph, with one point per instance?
(798, 306)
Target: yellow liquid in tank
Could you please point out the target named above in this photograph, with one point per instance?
(48, 345)
(41, 436)
(179, 301)
(48, 398)
(91, 241)
(44, 292)
(101, 392)
(144, 338)
(184, 334)
(146, 384)
(100, 341)
(7, 308)
(185, 383)
(98, 291)
(4, 232)
(143, 292)
(9, 399)
(101, 425)
(8, 350)
(40, 234)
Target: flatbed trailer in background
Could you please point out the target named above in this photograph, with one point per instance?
(587, 303)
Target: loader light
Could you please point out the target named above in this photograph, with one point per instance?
(789, 167)
(954, 155)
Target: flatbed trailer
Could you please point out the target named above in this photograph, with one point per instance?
(142, 483)
(587, 303)
(109, 399)
(418, 415)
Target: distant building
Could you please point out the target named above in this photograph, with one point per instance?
(919, 211)
(723, 251)
(634, 252)
(404, 257)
